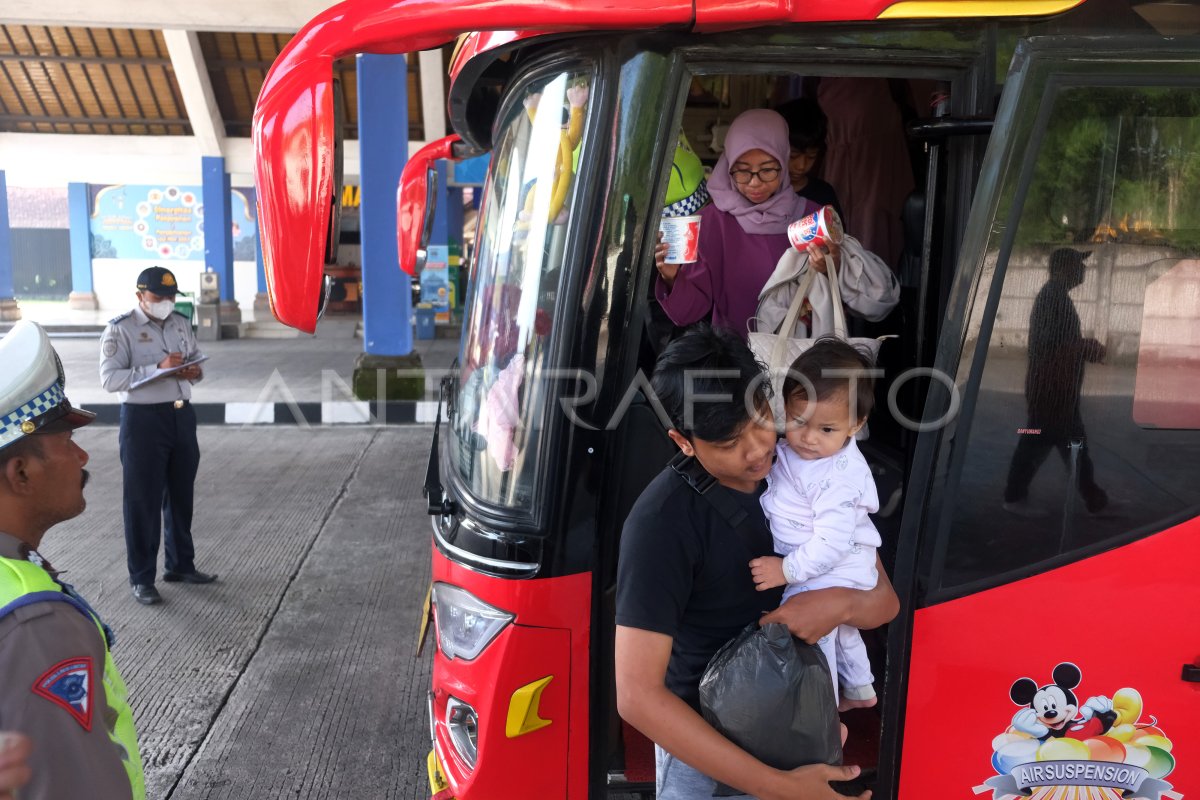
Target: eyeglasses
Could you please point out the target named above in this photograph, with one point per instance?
(764, 175)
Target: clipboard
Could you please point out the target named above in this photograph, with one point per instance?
(162, 373)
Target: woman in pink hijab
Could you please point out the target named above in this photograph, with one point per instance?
(743, 232)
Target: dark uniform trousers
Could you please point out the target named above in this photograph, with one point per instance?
(160, 457)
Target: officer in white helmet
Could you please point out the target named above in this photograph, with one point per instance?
(60, 685)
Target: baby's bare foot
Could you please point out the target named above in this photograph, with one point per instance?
(846, 703)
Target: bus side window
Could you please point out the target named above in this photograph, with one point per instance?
(1086, 429)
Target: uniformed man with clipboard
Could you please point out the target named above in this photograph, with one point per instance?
(150, 358)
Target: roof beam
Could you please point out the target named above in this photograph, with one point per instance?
(188, 62)
(49, 119)
(35, 58)
(261, 16)
(51, 159)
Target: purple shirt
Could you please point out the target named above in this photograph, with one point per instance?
(733, 268)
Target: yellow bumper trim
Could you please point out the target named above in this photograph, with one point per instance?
(426, 616)
(523, 709)
(437, 781)
(940, 9)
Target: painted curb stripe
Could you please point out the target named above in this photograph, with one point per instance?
(403, 412)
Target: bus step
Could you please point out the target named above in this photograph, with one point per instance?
(620, 786)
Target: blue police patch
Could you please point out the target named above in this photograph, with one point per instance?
(68, 684)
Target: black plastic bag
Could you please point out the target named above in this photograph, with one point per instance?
(772, 695)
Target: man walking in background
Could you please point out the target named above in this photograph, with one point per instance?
(1058, 351)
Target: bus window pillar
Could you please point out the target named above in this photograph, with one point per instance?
(83, 291)
(388, 369)
(218, 239)
(9, 310)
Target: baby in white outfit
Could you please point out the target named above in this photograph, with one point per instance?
(820, 492)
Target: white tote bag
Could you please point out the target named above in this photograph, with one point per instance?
(778, 351)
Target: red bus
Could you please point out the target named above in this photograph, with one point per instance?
(1032, 130)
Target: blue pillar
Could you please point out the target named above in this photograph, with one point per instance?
(383, 151)
(81, 239)
(218, 222)
(7, 294)
(260, 268)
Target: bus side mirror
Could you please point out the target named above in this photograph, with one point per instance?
(416, 198)
(323, 297)
(339, 148)
(427, 225)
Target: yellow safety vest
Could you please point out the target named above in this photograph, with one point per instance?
(21, 578)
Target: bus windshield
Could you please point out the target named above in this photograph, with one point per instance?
(524, 224)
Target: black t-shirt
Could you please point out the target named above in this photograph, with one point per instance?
(822, 194)
(685, 572)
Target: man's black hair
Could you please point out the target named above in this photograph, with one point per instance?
(807, 124)
(25, 447)
(823, 367)
(710, 384)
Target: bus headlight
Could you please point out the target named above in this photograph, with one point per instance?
(465, 624)
(463, 724)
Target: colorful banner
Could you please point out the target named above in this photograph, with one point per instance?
(164, 223)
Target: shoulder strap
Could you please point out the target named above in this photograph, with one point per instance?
(777, 366)
(695, 476)
(835, 292)
(803, 287)
(23, 583)
(44, 597)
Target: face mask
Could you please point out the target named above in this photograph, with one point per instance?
(160, 310)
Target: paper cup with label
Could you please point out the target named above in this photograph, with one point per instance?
(819, 228)
(682, 238)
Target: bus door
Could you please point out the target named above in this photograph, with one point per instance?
(1052, 532)
(713, 85)
(950, 81)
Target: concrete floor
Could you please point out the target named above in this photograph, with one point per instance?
(294, 676)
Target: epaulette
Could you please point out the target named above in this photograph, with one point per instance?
(185, 316)
(115, 320)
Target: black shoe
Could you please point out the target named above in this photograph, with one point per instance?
(1095, 500)
(146, 594)
(195, 576)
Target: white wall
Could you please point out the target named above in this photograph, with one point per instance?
(42, 160)
(115, 282)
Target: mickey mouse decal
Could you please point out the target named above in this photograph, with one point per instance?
(1053, 712)
(1058, 749)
